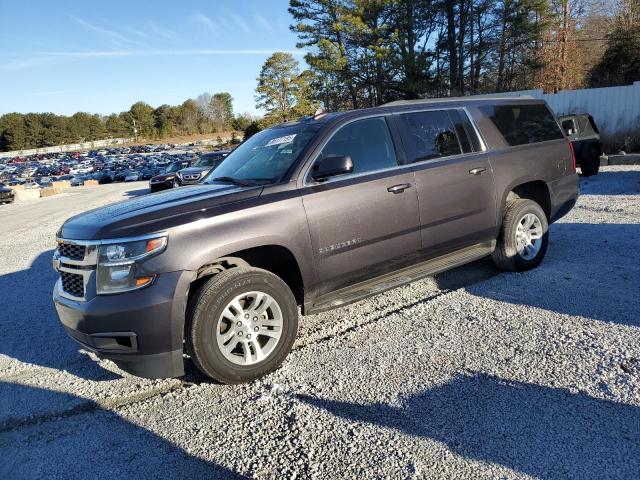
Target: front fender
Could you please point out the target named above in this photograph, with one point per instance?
(282, 223)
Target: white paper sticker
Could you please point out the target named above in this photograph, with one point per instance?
(280, 140)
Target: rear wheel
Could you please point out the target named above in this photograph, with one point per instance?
(242, 324)
(524, 237)
(591, 164)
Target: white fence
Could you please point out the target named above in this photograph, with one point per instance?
(616, 110)
(67, 148)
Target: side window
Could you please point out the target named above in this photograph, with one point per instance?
(429, 135)
(468, 137)
(522, 124)
(584, 125)
(568, 125)
(368, 143)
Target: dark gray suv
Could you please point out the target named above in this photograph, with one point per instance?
(310, 215)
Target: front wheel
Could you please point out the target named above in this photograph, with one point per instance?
(242, 325)
(524, 237)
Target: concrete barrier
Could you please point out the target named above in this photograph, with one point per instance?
(27, 194)
(49, 191)
(63, 184)
(91, 183)
(629, 159)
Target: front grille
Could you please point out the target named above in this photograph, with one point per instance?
(72, 283)
(72, 251)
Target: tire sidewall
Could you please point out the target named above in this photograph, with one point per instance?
(209, 305)
(591, 165)
(522, 209)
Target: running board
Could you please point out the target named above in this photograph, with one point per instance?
(374, 286)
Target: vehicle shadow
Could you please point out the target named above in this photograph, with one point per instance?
(536, 430)
(30, 328)
(621, 182)
(591, 271)
(90, 442)
(137, 193)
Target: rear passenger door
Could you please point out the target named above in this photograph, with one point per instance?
(453, 178)
(364, 223)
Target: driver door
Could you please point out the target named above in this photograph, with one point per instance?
(364, 223)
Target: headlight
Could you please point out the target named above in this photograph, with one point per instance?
(118, 264)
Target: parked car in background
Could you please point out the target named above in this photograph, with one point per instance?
(166, 179)
(31, 183)
(206, 163)
(311, 215)
(102, 177)
(7, 195)
(45, 182)
(584, 136)
(132, 177)
(77, 181)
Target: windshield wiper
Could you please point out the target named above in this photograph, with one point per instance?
(235, 181)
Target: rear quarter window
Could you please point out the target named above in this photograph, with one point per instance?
(523, 124)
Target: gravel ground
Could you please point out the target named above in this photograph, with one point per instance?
(472, 373)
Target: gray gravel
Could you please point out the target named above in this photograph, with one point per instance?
(472, 373)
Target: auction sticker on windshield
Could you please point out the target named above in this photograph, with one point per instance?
(281, 140)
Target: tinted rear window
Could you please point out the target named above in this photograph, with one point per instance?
(522, 124)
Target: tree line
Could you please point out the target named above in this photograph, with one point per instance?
(206, 114)
(363, 53)
(367, 52)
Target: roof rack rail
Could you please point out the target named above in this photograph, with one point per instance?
(495, 96)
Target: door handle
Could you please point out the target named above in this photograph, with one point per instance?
(476, 171)
(398, 188)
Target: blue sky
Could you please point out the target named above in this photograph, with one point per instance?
(102, 56)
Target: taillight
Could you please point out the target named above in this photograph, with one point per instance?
(573, 156)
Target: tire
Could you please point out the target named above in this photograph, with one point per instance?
(591, 164)
(507, 255)
(208, 329)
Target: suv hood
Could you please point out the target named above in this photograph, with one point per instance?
(154, 212)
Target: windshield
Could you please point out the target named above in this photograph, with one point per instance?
(206, 161)
(174, 167)
(266, 157)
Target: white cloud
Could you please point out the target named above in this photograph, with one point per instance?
(115, 37)
(162, 31)
(206, 22)
(36, 59)
(264, 23)
(240, 23)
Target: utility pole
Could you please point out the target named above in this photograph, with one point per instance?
(135, 130)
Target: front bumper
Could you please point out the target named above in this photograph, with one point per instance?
(141, 331)
(164, 185)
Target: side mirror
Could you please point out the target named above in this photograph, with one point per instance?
(331, 166)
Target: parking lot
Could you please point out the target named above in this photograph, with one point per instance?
(469, 374)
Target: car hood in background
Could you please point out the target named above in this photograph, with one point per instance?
(153, 213)
(163, 177)
(195, 170)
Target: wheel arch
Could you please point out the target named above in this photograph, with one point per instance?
(536, 190)
(275, 258)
